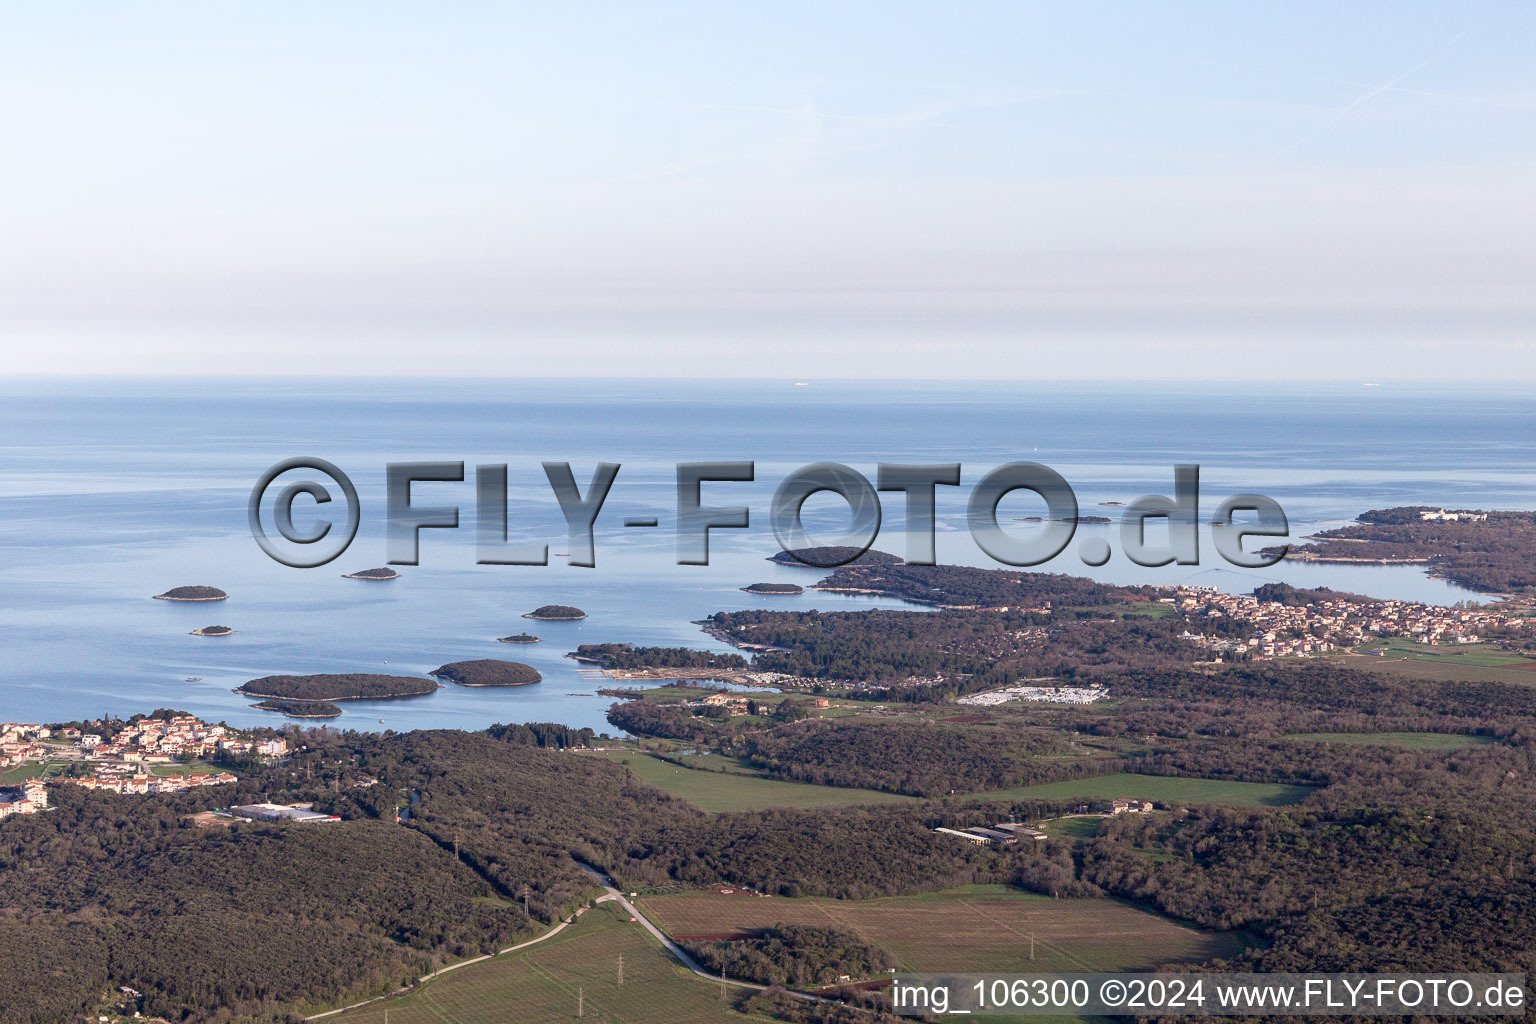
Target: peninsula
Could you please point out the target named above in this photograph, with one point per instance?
(194, 593)
(488, 672)
(1488, 551)
(556, 613)
(328, 686)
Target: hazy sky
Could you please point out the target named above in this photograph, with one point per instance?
(775, 189)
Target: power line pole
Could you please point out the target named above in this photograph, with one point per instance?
(581, 1003)
(1031, 945)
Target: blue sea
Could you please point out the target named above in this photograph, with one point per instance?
(112, 491)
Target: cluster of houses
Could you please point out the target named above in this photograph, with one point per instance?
(121, 761)
(1331, 624)
(28, 798)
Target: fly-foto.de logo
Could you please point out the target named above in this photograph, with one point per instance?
(705, 503)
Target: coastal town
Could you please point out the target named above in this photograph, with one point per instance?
(135, 757)
(1329, 624)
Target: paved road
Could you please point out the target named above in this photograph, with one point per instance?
(678, 951)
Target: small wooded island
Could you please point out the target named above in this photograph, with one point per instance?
(556, 613)
(212, 631)
(196, 593)
(372, 574)
(327, 686)
(488, 672)
(829, 557)
(300, 708)
(774, 588)
(518, 638)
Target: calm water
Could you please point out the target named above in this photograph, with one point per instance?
(111, 492)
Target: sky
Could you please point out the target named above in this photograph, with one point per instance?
(980, 190)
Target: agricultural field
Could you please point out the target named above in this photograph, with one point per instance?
(739, 790)
(1158, 788)
(1405, 740)
(539, 985)
(974, 929)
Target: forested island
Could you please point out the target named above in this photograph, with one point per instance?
(300, 708)
(774, 588)
(828, 557)
(192, 593)
(328, 686)
(212, 631)
(556, 613)
(1494, 552)
(372, 574)
(518, 638)
(488, 672)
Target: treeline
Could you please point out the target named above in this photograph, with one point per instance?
(794, 955)
(628, 656)
(921, 759)
(1284, 593)
(542, 734)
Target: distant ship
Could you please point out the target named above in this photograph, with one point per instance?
(802, 384)
(194, 679)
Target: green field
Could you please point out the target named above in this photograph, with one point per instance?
(32, 770)
(974, 929)
(540, 984)
(733, 790)
(1406, 740)
(1157, 787)
(1476, 655)
(1074, 828)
